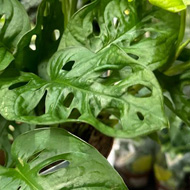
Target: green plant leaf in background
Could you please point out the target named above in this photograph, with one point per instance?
(9, 130)
(171, 5)
(146, 33)
(84, 87)
(14, 23)
(36, 152)
(180, 94)
(38, 45)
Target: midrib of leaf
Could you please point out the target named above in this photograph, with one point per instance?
(87, 91)
(29, 182)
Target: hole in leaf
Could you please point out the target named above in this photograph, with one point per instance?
(18, 122)
(2, 21)
(140, 91)
(56, 34)
(34, 156)
(33, 42)
(40, 109)
(109, 116)
(147, 34)
(136, 40)
(140, 116)
(106, 74)
(42, 27)
(96, 27)
(2, 157)
(150, 34)
(10, 137)
(133, 56)
(68, 66)
(127, 12)
(11, 128)
(47, 9)
(75, 114)
(19, 187)
(17, 85)
(53, 167)
(115, 22)
(68, 100)
(186, 91)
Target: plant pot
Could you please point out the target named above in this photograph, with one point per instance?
(92, 136)
(136, 181)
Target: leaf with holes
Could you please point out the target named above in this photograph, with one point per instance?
(38, 45)
(171, 5)
(87, 87)
(146, 33)
(55, 159)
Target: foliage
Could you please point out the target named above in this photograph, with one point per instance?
(114, 65)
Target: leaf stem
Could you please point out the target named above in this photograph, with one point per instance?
(69, 7)
(181, 33)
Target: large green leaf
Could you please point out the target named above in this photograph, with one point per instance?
(84, 168)
(171, 5)
(144, 32)
(14, 23)
(86, 87)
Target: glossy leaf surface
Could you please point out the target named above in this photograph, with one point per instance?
(144, 32)
(91, 88)
(171, 5)
(84, 167)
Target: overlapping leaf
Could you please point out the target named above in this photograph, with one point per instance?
(180, 94)
(14, 23)
(88, 87)
(38, 45)
(144, 32)
(8, 132)
(84, 169)
(171, 5)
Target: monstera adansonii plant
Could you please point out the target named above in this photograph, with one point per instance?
(103, 63)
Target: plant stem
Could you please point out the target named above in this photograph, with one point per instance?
(181, 33)
(69, 7)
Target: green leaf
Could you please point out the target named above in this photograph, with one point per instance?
(86, 87)
(5, 58)
(180, 94)
(171, 5)
(84, 168)
(38, 45)
(8, 132)
(14, 23)
(177, 93)
(145, 33)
